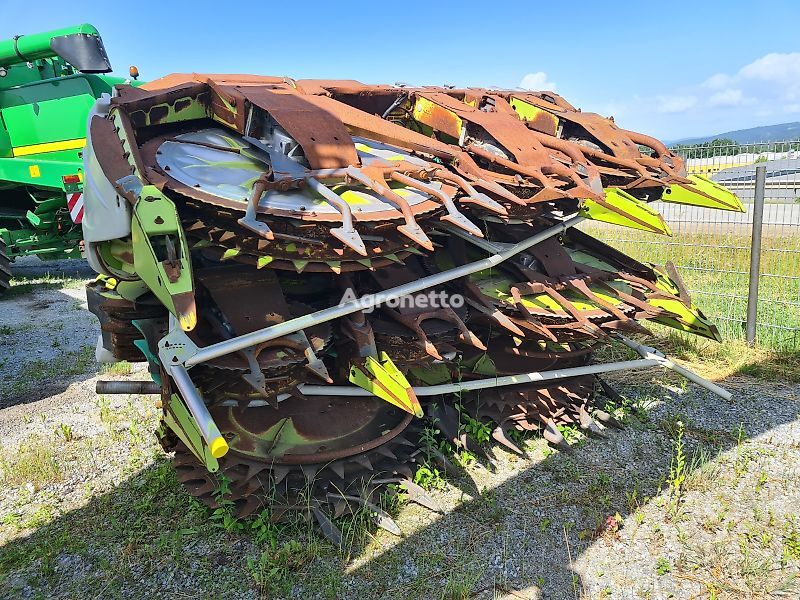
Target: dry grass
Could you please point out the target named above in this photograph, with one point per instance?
(33, 462)
(733, 360)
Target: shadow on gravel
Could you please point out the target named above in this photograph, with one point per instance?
(31, 274)
(30, 267)
(129, 537)
(525, 535)
(46, 336)
(521, 535)
(47, 388)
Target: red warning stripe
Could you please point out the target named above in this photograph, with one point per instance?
(75, 206)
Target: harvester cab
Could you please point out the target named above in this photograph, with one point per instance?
(48, 84)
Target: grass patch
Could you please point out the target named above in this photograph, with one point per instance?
(24, 285)
(34, 462)
(14, 329)
(708, 358)
(64, 366)
(122, 367)
(716, 266)
(130, 520)
(732, 357)
(460, 584)
(274, 570)
(662, 566)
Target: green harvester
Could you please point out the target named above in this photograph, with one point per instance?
(48, 85)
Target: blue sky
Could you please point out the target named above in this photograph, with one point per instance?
(672, 69)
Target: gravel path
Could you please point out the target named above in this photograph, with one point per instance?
(91, 508)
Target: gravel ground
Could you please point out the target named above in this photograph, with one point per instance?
(694, 497)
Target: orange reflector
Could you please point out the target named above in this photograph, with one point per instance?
(68, 179)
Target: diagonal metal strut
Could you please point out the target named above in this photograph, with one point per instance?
(650, 358)
(193, 356)
(490, 382)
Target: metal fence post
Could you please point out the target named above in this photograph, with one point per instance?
(755, 255)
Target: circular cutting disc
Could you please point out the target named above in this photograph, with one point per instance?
(224, 166)
(316, 429)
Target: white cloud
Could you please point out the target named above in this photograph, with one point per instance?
(675, 104)
(729, 97)
(717, 81)
(761, 92)
(775, 67)
(537, 81)
(773, 78)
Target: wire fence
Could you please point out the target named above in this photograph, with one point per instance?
(711, 248)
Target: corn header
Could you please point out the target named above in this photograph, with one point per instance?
(313, 268)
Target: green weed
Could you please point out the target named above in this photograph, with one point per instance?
(65, 432)
(677, 472)
(662, 566)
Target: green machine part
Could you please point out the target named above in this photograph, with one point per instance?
(161, 254)
(48, 85)
(178, 418)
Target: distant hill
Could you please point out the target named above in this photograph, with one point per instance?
(765, 133)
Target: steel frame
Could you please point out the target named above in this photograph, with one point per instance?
(177, 348)
(178, 353)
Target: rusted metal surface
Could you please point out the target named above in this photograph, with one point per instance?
(117, 316)
(291, 457)
(590, 145)
(296, 194)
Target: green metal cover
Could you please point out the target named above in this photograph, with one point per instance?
(44, 105)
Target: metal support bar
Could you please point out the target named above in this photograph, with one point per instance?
(127, 387)
(755, 255)
(648, 352)
(483, 244)
(491, 382)
(650, 358)
(196, 406)
(365, 302)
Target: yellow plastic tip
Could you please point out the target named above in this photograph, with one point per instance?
(188, 320)
(218, 447)
(703, 192)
